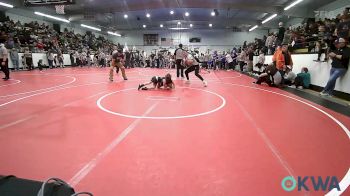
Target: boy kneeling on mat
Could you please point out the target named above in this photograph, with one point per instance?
(159, 82)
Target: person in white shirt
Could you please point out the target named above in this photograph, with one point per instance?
(261, 62)
(290, 76)
(179, 56)
(4, 62)
(271, 76)
(229, 61)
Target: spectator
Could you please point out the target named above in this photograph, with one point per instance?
(289, 77)
(321, 47)
(340, 64)
(60, 59)
(280, 35)
(15, 58)
(50, 58)
(343, 28)
(270, 40)
(229, 60)
(271, 76)
(28, 58)
(41, 65)
(303, 79)
(260, 64)
(283, 59)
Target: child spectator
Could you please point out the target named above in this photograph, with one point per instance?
(303, 79)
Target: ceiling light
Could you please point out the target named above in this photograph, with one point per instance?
(212, 13)
(148, 15)
(251, 29)
(210, 25)
(161, 26)
(191, 25)
(90, 27)
(293, 4)
(179, 23)
(268, 19)
(116, 34)
(52, 17)
(126, 16)
(6, 5)
(187, 14)
(178, 28)
(144, 26)
(171, 12)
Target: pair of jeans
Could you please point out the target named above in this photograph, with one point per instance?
(15, 64)
(335, 73)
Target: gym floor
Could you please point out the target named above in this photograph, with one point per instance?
(230, 138)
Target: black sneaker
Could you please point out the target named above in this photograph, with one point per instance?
(5, 79)
(125, 79)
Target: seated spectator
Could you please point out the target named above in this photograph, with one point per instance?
(343, 28)
(290, 76)
(41, 65)
(321, 47)
(271, 76)
(303, 79)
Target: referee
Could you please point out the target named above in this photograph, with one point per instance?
(179, 57)
(4, 62)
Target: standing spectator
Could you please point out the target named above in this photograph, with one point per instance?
(60, 59)
(14, 58)
(269, 43)
(250, 59)
(71, 56)
(340, 64)
(4, 62)
(128, 58)
(50, 58)
(283, 59)
(229, 60)
(241, 59)
(28, 58)
(280, 35)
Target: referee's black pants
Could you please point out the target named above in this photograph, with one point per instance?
(5, 68)
(179, 68)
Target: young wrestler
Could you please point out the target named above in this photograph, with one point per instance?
(159, 82)
(192, 64)
(117, 61)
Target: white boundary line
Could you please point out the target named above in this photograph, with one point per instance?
(345, 182)
(161, 117)
(53, 109)
(61, 88)
(43, 89)
(56, 89)
(17, 82)
(100, 156)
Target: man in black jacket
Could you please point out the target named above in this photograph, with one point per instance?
(340, 61)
